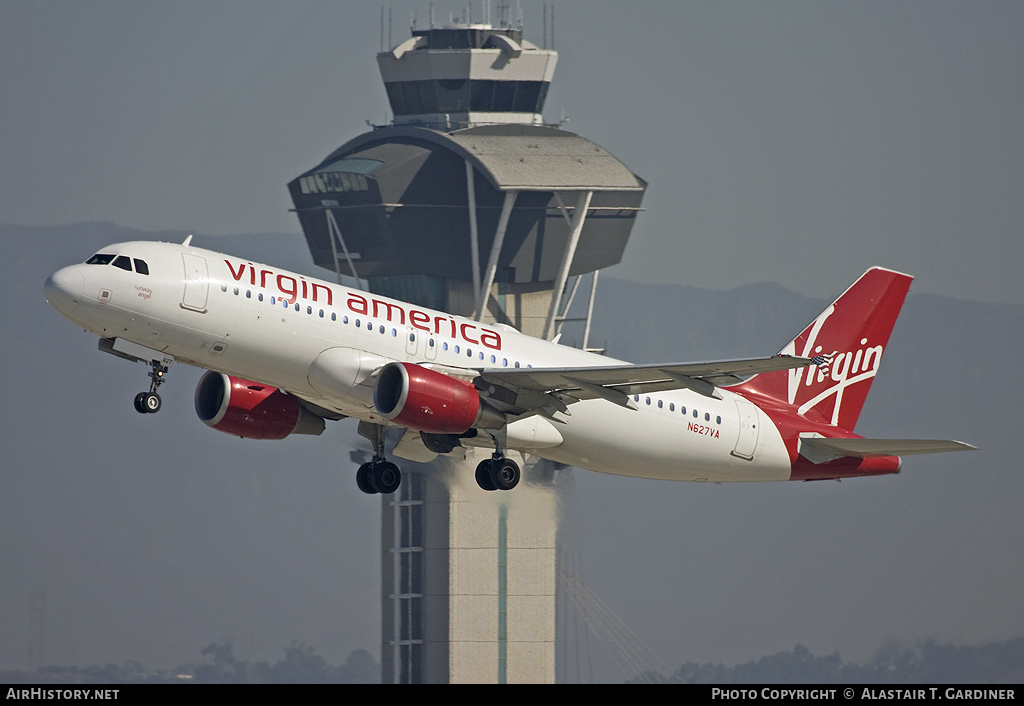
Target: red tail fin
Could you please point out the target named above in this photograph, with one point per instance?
(850, 336)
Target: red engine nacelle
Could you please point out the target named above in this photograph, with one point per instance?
(251, 410)
(426, 400)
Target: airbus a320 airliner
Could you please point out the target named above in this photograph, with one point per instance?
(285, 352)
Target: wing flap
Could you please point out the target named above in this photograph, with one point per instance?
(518, 388)
(546, 379)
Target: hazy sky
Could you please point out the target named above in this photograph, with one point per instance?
(798, 142)
(792, 142)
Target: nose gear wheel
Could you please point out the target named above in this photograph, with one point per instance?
(149, 402)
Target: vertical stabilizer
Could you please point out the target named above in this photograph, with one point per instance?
(847, 340)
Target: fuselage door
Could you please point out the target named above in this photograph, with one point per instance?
(746, 440)
(197, 283)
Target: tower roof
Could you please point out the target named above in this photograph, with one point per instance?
(516, 157)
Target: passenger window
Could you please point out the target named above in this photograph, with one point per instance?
(123, 262)
(141, 267)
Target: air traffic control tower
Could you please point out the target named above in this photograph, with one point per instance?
(470, 203)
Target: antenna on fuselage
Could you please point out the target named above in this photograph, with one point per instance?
(187, 240)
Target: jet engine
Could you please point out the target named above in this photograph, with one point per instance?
(425, 400)
(252, 410)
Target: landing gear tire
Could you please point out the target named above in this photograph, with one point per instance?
(504, 473)
(147, 403)
(498, 474)
(363, 479)
(483, 475)
(385, 477)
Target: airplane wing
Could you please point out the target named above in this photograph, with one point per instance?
(547, 390)
(821, 450)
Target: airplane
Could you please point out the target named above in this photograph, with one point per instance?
(284, 353)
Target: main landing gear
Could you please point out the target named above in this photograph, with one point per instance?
(379, 475)
(497, 473)
(149, 402)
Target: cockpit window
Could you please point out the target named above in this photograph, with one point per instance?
(120, 261)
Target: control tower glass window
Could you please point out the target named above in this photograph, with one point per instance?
(343, 175)
(452, 95)
(460, 96)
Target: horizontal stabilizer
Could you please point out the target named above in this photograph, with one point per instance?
(821, 450)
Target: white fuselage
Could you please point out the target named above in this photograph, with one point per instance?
(322, 342)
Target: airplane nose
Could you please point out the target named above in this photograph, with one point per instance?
(63, 289)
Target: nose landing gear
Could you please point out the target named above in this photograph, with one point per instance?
(149, 402)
